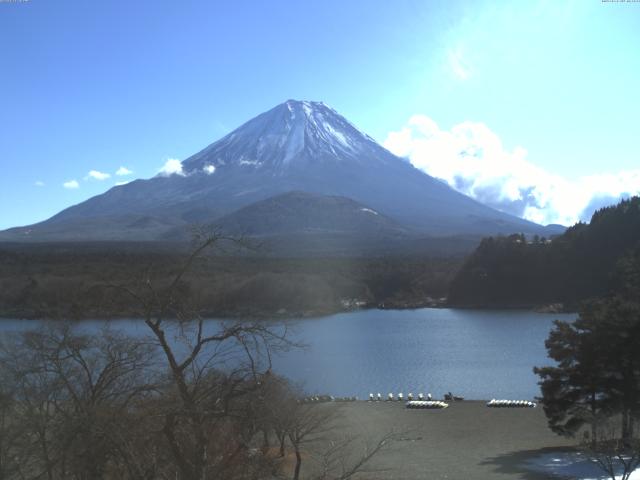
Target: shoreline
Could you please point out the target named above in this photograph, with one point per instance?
(280, 315)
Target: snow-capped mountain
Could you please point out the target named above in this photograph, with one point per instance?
(297, 146)
(289, 135)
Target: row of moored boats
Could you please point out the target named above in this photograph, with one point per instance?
(421, 401)
(326, 398)
(427, 404)
(399, 398)
(493, 403)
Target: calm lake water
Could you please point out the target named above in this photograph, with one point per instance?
(478, 354)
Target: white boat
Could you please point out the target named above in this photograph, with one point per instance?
(427, 404)
(493, 403)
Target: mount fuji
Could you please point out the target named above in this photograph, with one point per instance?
(298, 146)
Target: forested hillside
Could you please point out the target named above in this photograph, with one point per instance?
(515, 271)
(73, 281)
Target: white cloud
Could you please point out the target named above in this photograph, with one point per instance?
(123, 171)
(71, 184)
(39, 183)
(471, 159)
(209, 169)
(171, 167)
(124, 182)
(97, 175)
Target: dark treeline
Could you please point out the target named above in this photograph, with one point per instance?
(61, 280)
(524, 272)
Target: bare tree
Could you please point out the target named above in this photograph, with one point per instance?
(338, 462)
(308, 423)
(313, 429)
(211, 365)
(9, 431)
(279, 404)
(74, 396)
(615, 453)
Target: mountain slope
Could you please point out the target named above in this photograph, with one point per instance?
(305, 213)
(296, 146)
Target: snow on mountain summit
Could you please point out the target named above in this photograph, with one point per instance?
(293, 132)
(323, 124)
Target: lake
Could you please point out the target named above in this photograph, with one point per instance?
(479, 354)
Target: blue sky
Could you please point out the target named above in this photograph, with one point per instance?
(529, 106)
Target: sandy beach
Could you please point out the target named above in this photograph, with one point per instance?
(465, 441)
